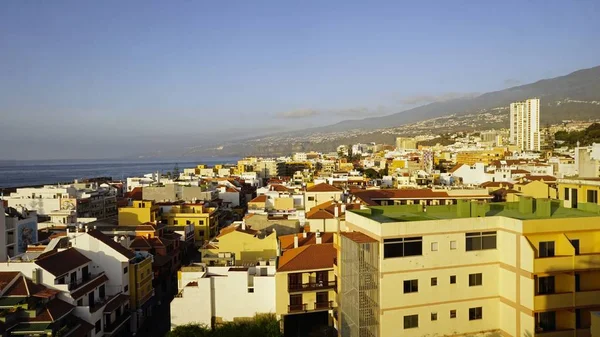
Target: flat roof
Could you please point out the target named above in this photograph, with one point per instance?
(400, 213)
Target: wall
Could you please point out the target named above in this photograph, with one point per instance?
(247, 248)
(160, 193)
(319, 198)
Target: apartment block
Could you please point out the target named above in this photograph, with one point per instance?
(140, 211)
(214, 295)
(580, 193)
(320, 193)
(204, 218)
(527, 268)
(525, 124)
(17, 231)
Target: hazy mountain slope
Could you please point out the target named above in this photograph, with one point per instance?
(581, 85)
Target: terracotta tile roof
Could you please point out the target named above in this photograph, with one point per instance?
(319, 214)
(236, 228)
(60, 263)
(358, 237)
(54, 310)
(140, 242)
(231, 190)
(83, 328)
(260, 198)
(115, 303)
(323, 187)
(111, 243)
(455, 168)
(6, 277)
(496, 184)
(89, 287)
(519, 171)
(134, 194)
(24, 286)
(287, 241)
(278, 188)
(309, 257)
(543, 178)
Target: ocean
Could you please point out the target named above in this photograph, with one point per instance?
(31, 173)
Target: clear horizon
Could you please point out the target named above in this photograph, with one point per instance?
(113, 79)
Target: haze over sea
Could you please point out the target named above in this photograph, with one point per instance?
(31, 173)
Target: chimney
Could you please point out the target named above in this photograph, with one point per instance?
(319, 240)
(336, 211)
(243, 225)
(95, 227)
(343, 208)
(304, 234)
(295, 241)
(86, 229)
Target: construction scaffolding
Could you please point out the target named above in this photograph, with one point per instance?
(359, 302)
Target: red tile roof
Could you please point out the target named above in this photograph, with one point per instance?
(543, 178)
(54, 310)
(309, 257)
(111, 243)
(287, 241)
(89, 287)
(236, 228)
(115, 303)
(496, 184)
(59, 263)
(260, 198)
(134, 194)
(319, 214)
(278, 188)
(323, 187)
(6, 277)
(455, 168)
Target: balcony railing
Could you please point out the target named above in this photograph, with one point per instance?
(324, 305)
(77, 283)
(297, 307)
(117, 324)
(311, 286)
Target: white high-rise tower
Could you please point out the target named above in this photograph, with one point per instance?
(525, 124)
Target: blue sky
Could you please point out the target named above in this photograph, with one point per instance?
(82, 79)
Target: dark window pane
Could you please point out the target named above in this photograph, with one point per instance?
(489, 242)
(413, 248)
(393, 250)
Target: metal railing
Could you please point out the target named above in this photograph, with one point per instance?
(311, 286)
(297, 307)
(323, 305)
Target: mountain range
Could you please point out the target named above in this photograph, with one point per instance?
(575, 96)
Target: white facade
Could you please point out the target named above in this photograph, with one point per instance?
(525, 124)
(225, 293)
(300, 156)
(18, 229)
(471, 175)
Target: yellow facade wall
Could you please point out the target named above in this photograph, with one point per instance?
(140, 282)
(284, 203)
(248, 248)
(139, 213)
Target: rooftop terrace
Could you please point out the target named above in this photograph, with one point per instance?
(527, 209)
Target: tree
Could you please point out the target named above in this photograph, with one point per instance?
(372, 174)
(262, 325)
(176, 171)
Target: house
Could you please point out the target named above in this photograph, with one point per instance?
(321, 193)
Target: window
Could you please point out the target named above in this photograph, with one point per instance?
(546, 285)
(201, 222)
(250, 290)
(311, 198)
(402, 247)
(125, 270)
(434, 316)
(411, 321)
(546, 320)
(475, 279)
(126, 289)
(188, 222)
(575, 244)
(592, 196)
(546, 249)
(475, 313)
(98, 325)
(577, 282)
(434, 281)
(452, 313)
(434, 246)
(566, 193)
(175, 222)
(452, 279)
(452, 245)
(411, 286)
(80, 302)
(480, 240)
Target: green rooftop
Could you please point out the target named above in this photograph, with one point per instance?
(525, 209)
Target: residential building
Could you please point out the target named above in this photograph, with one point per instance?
(405, 144)
(32, 309)
(320, 193)
(525, 124)
(140, 211)
(581, 193)
(466, 174)
(17, 231)
(417, 196)
(240, 245)
(306, 288)
(587, 160)
(516, 269)
(214, 295)
(204, 218)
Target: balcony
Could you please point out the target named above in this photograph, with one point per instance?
(312, 286)
(553, 264)
(587, 261)
(293, 308)
(553, 301)
(114, 327)
(587, 298)
(324, 305)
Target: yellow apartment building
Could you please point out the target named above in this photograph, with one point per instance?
(140, 212)
(535, 189)
(306, 288)
(239, 245)
(528, 268)
(204, 219)
(320, 193)
(396, 164)
(580, 193)
(484, 156)
(140, 281)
